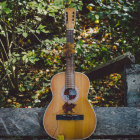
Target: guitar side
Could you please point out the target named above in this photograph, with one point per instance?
(71, 129)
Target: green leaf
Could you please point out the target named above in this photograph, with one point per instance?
(41, 27)
(52, 14)
(38, 18)
(96, 16)
(38, 31)
(118, 23)
(16, 54)
(19, 29)
(3, 5)
(14, 60)
(7, 10)
(32, 61)
(80, 7)
(121, 2)
(104, 49)
(126, 9)
(72, 5)
(67, 1)
(108, 7)
(45, 31)
(21, 89)
(24, 57)
(25, 34)
(115, 12)
(101, 14)
(2, 33)
(91, 5)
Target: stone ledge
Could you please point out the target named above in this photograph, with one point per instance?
(111, 121)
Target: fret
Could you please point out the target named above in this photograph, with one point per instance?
(69, 80)
(68, 85)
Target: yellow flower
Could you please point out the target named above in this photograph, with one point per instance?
(111, 83)
(89, 8)
(96, 21)
(60, 137)
(114, 47)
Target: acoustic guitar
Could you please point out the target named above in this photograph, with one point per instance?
(69, 113)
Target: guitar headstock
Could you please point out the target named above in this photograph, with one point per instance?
(70, 18)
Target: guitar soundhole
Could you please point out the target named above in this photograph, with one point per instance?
(70, 94)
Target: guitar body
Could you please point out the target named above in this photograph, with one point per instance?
(71, 129)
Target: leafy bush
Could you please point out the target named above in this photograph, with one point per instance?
(32, 35)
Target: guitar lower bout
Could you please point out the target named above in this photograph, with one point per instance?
(74, 120)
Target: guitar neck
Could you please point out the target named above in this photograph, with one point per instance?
(70, 18)
(69, 63)
(69, 36)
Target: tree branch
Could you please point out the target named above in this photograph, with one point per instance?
(36, 36)
(4, 49)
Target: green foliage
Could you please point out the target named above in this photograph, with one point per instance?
(32, 35)
(117, 18)
(107, 92)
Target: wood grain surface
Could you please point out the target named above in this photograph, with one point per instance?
(74, 129)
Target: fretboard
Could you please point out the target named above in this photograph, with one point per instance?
(69, 78)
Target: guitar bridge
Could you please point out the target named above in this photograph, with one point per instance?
(69, 117)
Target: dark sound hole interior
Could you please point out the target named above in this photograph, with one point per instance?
(70, 94)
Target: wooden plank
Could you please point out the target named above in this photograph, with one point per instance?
(132, 79)
(111, 121)
(115, 65)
